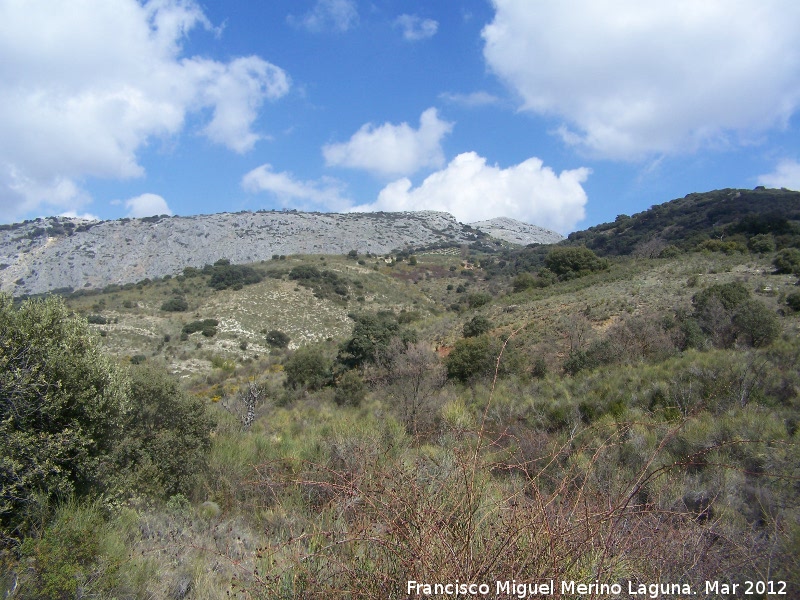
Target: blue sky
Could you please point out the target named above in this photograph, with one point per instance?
(562, 114)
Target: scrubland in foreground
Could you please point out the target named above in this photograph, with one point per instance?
(632, 421)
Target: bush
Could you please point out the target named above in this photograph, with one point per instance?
(208, 327)
(225, 275)
(308, 367)
(350, 389)
(793, 301)
(96, 320)
(304, 272)
(757, 323)
(523, 281)
(372, 334)
(787, 261)
(478, 299)
(62, 408)
(166, 439)
(730, 295)
(68, 560)
(574, 262)
(177, 304)
(476, 326)
(472, 358)
(277, 339)
(762, 243)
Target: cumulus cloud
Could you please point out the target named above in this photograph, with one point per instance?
(147, 205)
(471, 190)
(416, 28)
(630, 78)
(392, 149)
(786, 175)
(326, 193)
(328, 15)
(84, 90)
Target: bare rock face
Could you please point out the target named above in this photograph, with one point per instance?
(58, 252)
(517, 232)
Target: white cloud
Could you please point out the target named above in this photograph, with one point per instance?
(786, 175)
(631, 78)
(471, 190)
(392, 149)
(147, 205)
(471, 100)
(326, 193)
(84, 86)
(71, 214)
(416, 28)
(333, 15)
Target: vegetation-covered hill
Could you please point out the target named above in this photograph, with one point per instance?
(724, 215)
(336, 426)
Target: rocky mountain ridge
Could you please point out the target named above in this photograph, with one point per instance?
(64, 253)
(517, 232)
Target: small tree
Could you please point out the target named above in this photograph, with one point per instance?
(757, 324)
(350, 390)
(574, 262)
(476, 326)
(166, 436)
(308, 367)
(412, 375)
(472, 358)
(62, 406)
(787, 261)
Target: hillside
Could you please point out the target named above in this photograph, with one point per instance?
(476, 413)
(62, 253)
(516, 232)
(725, 215)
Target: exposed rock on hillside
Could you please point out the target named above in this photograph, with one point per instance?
(46, 254)
(517, 232)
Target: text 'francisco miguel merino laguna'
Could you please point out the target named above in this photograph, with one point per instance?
(514, 589)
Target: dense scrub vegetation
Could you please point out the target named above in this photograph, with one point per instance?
(566, 415)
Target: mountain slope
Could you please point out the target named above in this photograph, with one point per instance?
(47, 254)
(517, 232)
(687, 221)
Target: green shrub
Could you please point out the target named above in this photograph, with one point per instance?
(571, 262)
(350, 390)
(478, 299)
(730, 295)
(472, 358)
(208, 327)
(277, 339)
(96, 320)
(308, 367)
(372, 334)
(523, 281)
(176, 304)
(476, 326)
(63, 405)
(729, 247)
(787, 261)
(793, 301)
(762, 243)
(225, 275)
(304, 272)
(166, 436)
(756, 323)
(68, 560)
